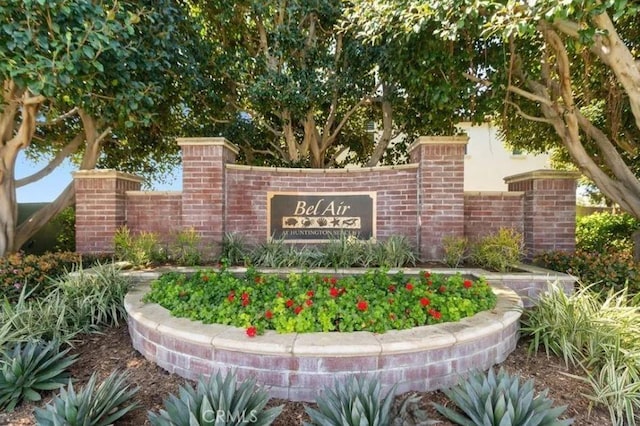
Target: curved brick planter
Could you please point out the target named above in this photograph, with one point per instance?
(299, 366)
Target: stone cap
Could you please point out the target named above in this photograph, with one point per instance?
(493, 193)
(439, 140)
(321, 171)
(106, 174)
(221, 141)
(542, 174)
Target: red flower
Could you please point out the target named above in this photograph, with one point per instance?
(409, 286)
(245, 302)
(333, 280)
(442, 289)
(231, 296)
(325, 279)
(334, 292)
(310, 293)
(252, 331)
(297, 310)
(309, 302)
(289, 303)
(259, 280)
(362, 305)
(427, 275)
(467, 283)
(392, 288)
(435, 314)
(425, 302)
(244, 295)
(268, 315)
(343, 290)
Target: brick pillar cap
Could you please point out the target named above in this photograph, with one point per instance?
(542, 174)
(106, 174)
(209, 141)
(439, 140)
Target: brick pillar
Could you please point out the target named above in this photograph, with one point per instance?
(440, 162)
(203, 184)
(100, 207)
(549, 209)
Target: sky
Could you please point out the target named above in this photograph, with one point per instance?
(48, 188)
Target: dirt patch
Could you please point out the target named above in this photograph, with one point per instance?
(112, 350)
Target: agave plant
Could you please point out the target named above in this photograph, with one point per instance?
(499, 399)
(93, 405)
(358, 401)
(31, 368)
(217, 401)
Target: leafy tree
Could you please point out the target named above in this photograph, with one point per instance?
(298, 75)
(87, 81)
(568, 74)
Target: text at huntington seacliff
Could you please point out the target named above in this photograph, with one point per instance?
(320, 217)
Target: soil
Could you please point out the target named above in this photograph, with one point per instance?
(112, 350)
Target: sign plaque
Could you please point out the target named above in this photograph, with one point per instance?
(319, 217)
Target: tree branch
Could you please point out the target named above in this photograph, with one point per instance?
(60, 118)
(65, 152)
(529, 95)
(527, 116)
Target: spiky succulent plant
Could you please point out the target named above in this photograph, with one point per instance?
(219, 401)
(94, 405)
(499, 399)
(358, 401)
(31, 368)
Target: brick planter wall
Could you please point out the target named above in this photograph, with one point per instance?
(424, 200)
(299, 367)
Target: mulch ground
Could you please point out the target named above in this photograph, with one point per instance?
(112, 350)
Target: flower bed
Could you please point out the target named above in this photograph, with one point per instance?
(374, 301)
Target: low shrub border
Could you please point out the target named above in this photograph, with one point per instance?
(295, 366)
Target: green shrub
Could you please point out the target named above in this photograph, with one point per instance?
(499, 399)
(600, 336)
(498, 251)
(33, 272)
(455, 250)
(374, 301)
(95, 404)
(220, 401)
(397, 251)
(606, 232)
(30, 369)
(235, 250)
(139, 250)
(358, 401)
(603, 271)
(185, 249)
(65, 223)
(342, 251)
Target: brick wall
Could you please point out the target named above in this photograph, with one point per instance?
(441, 191)
(100, 207)
(423, 201)
(159, 212)
(247, 188)
(549, 209)
(487, 212)
(203, 183)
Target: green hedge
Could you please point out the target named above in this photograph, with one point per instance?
(605, 232)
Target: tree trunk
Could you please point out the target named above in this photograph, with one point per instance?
(385, 137)
(8, 207)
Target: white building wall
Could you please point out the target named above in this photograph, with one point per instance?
(488, 161)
